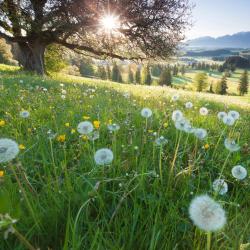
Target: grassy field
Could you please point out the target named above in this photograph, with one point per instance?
(62, 199)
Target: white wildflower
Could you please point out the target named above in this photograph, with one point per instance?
(203, 111)
(231, 145)
(221, 115)
(177, 115)
(8, 150)
(24, 114)
(146, 112)
(103, 156)
(200, 133)
(160, 141)
(234, 114)
(220, 186)
(188, 105)
(113, 127)
(175, 98)
(85, 128)
(228, 120)
(207, 214)
(239, 172)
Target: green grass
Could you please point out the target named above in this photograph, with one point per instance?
(143, 197)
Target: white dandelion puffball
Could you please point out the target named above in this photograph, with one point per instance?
(234, 114)
(113, 127)
(221, 115)
(160, 141)
(220, 186)
(207, 214)
(200, 133)
(146, 112)
(203, 111)
(181, 124)
(175, 98)
(8, 150)
(188, 128)
(24, 114)
(103, 156)
(231, 145)
(177, 115)
(85, 128)
(64, 92)
(188, 105)
(228, 120)
(63, 96)
(239, 172)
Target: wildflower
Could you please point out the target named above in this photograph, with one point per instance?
(86, 117)
(146, 112)
(220, 186)
(175, 98)
(63, 97)
(239, 172)
(73, 131)
(21, 147)
(181, 124)
(188, 128)
(2, 123)
(24, 114)
(84, 137)
(177, 115)
(110, 121)
(207, 214)
(103, 156)
(188, 105)
(234, 114)
(8, 150)
(203, 111)
(231, 145)
(206, 146)
(221, 115)
(67, 124)
(96, 124)
(165, 125)
(228, 120)
(94, 136)
(160, 141)
(64, 92)
(113, 127)
(85, 128)
(126, 95)
(50, 134)
(61, 138)
(1, 173)
(200, 133)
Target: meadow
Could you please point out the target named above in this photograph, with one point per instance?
(59, 196)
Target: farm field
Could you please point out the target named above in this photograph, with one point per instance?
(60, 194)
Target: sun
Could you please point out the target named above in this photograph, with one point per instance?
(110, 22)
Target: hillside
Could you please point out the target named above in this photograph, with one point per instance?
(61, 192)
(238, 40)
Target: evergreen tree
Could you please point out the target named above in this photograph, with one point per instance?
(146, 75)
(156, 70)
(86, 68)
(222, 87)
(116, 74)
(165, 78)
(244, 82)
(200, 81)
(175, 70)
(183, 70)
(108, 70)
(130, 76)
(101, 72)
(138, 75)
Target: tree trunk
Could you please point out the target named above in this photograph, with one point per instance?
(31, 56)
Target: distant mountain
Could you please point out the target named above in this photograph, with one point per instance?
(238, 40)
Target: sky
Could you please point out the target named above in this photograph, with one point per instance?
(219, 17)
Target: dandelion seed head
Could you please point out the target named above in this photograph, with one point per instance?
(24, 114)
(203, 111)
(175, 98)
(207, 214)
(8, 150)
(177, 115)
(234, 114)
(239, 172)
(113, 127)
(103, 156)
(221, 115)
(85, 127)
(160, 141)
(231, 145)
(200, 133)
(146, 112)
(228, 120)
(220, 186)
(188, 105)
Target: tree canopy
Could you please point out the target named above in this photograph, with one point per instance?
(146, 28)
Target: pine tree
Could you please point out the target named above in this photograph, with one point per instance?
(101, 72)
(146, 75)
(244, 82)
(138, 75)
(130, 76)
(200, 81)
(165, 78)
(222, 87)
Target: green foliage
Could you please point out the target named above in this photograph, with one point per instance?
(116, 74)
(130, 76)
(108, 70)
(200, 81)
(156, 70)
(175, 70)
(54, 58)
(138, 75)
(146, 75)
(244, 83)
(221, 87)
(86, 68)
(101, 72)
(165, 77)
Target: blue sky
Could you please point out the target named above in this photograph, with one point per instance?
(219, 17)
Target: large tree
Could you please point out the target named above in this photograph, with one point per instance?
(146, 28)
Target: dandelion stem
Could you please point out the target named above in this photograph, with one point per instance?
(209, 234)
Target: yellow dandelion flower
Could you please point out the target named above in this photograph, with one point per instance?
(86, 117)
(67, 124)
(96, 124)
(21, 147)
(73, 131)
(1, 173)
(206, 146)
(2, 123)
(61, 138)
